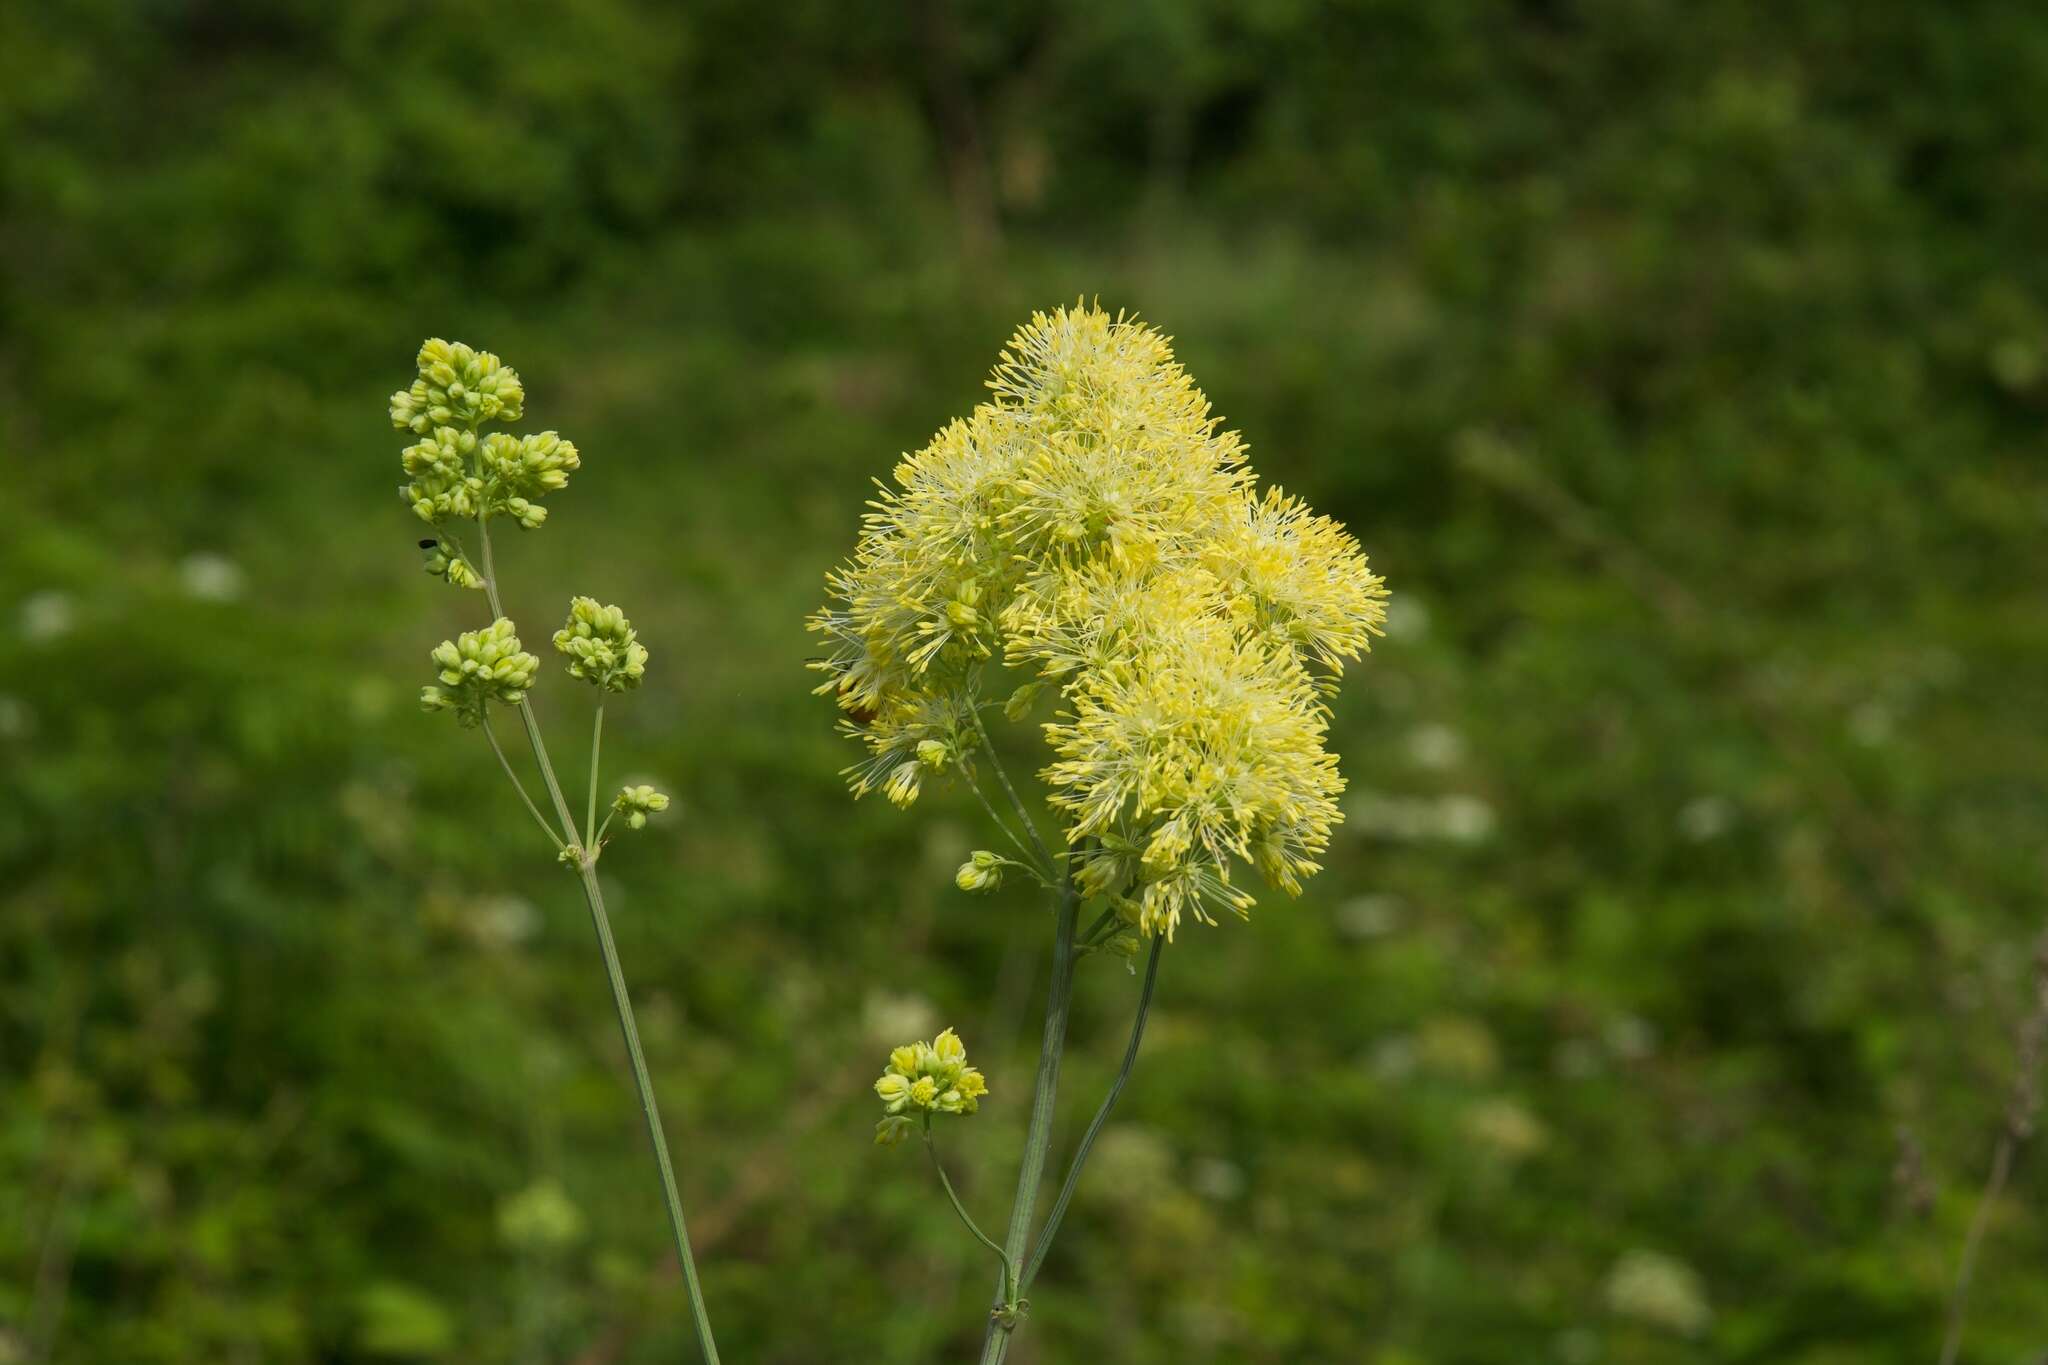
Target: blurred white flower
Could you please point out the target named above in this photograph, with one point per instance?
(503, 921)
(889, 1018)
(1214, 1178)
(1872, 724)
(211, 577)
(1659, 1290)
(1631, 1038)
(1407, 618)
(47, 615)
(1464, 819)
(1435, 747)
(1706, 817)
(1394, 1058)
(1457, 817)
(1505, 1129)
(1369, 916)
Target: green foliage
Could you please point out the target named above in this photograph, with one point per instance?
(1684, 368)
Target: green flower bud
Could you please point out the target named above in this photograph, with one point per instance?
(601, 646)
(982, 872)
(477, 668)
(890, 1131)
(450, 567)
(1021, 701)
(637, 803)
(932, 754)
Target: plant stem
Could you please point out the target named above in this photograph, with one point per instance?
(1038, 1137)
(621, 1002)
(1023, 814)
(540, 748)
(624, 1004)
(590, 810)
(1030, 858)
(1116, 1088)
(1009, 1271)
(518, 786)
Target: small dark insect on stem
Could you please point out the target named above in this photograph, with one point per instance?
(2022, 1107)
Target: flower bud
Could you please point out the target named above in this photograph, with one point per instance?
(1021, 701)
(983, 871)
(637, 803)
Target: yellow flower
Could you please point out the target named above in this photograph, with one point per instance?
(1092, 523)
(927, 1078)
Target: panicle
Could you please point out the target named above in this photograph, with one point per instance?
(1094, 526)
(454, 471)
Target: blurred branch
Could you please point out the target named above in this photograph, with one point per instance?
(2022, 1107)
(958, 128)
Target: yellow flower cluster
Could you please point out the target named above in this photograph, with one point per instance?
(1093, 526)
(925, 1079)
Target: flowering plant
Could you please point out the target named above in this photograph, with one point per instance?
(1091, 542)
(456, 475)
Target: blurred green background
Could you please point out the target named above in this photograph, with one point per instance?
(1682, 366)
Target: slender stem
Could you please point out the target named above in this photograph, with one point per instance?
(1116, 1088)
(1009, 1272)
(1038, 1136)
(1030, 858)
(596, 742)
(624, 1004)
(2022, 1107)
(621, 1002)
(518, 786)
(1023, 813)
(540, 748)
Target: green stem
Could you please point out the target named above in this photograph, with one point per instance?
(540, 748)
(621, 1002)
(624, 1005)
(1023, 814)
(518, 786)
(1009, 1271)
(1038, 1136)
(596, 742)
(1030, 858)
(1116, 1088)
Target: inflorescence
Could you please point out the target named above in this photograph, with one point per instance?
(924, 1079)
(1094, 527)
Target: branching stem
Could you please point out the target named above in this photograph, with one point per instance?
(1009, 1270)
(621, 1002)
(1116, 1088)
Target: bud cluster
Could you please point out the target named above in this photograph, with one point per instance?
(451, 470)
(637, 803)
(601, 646)
(458, 386)
(477, 668)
